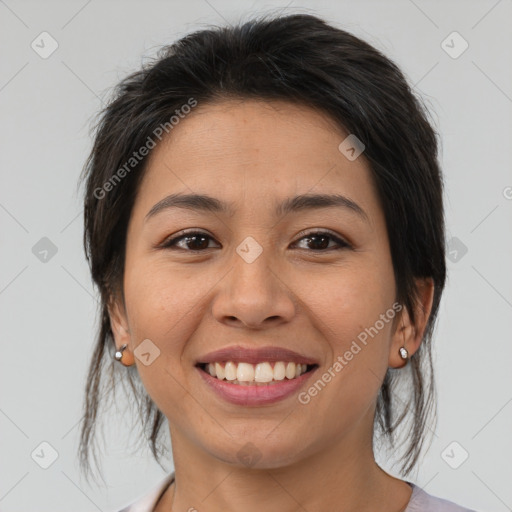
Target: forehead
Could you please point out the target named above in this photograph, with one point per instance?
(251, 131)
(254, 152)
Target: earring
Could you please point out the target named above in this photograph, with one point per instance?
(403, 353)
(128, 358)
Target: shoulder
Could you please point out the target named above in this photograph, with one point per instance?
(147, 502)
(421, 501)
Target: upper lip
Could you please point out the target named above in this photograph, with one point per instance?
(255, 355)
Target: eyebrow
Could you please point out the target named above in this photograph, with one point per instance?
(303, 202)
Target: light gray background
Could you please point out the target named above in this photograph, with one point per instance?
(48, 309)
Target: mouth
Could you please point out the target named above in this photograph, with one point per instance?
(265, 373)
(255, 385)
(255, 376)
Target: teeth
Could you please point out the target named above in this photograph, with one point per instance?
(260, 373)
(279, 371)
(245, 372)
(218, 371)
(263, 372)
(230, 371)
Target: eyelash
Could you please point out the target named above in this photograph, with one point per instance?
(170, 243)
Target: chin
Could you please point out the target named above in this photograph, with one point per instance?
(257, 452)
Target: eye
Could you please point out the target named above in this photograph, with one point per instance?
(190, 238)
(197, 241)
(320, 239)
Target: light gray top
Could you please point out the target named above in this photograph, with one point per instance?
(420, 501)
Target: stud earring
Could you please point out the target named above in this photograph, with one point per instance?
(124, 359)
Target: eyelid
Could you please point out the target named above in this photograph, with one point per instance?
(321, 231)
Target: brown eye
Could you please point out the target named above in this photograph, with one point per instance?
(194, 241)
(319, 241)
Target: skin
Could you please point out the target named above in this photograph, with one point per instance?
(312, 457)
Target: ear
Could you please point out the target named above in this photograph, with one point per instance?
(119, 323)
(406, 334)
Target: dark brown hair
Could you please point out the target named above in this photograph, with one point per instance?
(302, 59)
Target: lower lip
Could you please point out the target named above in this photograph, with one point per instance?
(252, 394)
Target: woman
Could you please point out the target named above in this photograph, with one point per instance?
(264, 221)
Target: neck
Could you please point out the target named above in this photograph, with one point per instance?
(344, 476)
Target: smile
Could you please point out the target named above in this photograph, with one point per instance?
(239, 384)
(264, 373)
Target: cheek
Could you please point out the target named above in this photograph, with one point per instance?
(347, 309)
(346, 306)
(159, 297)
(166, 306)
(163, 307)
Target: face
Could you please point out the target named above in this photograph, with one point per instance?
(308, 279)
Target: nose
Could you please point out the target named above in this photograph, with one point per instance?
(254, 294)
